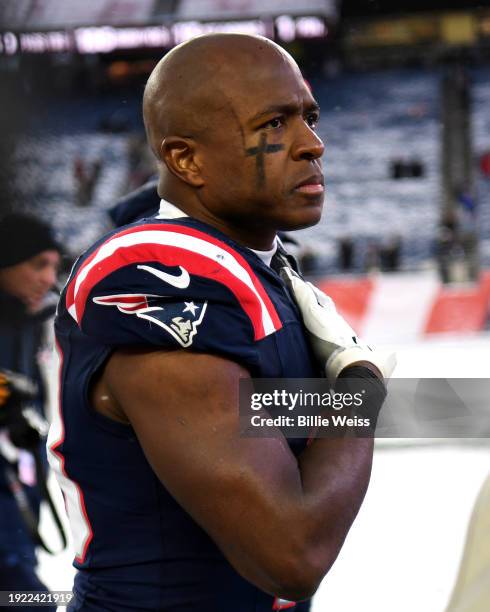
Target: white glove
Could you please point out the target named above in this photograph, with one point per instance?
(333, 340)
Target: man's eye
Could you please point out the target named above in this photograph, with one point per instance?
(275, 123)
(312, 119)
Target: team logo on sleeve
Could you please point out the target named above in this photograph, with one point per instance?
(180, 319)
(128, 303)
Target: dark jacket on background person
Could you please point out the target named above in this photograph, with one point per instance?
(22, 336)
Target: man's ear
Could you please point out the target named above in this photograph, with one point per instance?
(179, 155)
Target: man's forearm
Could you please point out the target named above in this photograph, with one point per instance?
(335, 475)
(335, 472)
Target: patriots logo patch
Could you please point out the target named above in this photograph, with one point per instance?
(180, 320)
(128, 303)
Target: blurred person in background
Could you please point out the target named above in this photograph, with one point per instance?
(345, 247)
(29, 261)
(471, 592)
(86, 175)
(390, 253)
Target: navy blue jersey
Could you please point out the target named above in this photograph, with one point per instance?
(174, 284)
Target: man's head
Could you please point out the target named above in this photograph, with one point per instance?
(29, 258)
(232, 121)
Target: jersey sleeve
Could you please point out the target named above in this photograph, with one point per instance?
(171, 289)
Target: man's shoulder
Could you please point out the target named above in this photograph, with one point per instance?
(151, 236)
(178, 275)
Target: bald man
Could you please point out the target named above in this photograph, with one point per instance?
(170, 508)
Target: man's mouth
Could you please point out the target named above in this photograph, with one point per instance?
(36, 297)
(311, 185)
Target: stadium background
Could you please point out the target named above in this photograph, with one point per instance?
(404, 244)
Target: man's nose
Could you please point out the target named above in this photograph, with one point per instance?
(308, 145)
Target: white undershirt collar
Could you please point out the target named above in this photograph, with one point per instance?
(169, 211)
(266, 256)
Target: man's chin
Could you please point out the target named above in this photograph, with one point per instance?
(302, 220)
(33, 304)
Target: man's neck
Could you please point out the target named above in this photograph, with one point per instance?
(254, 242)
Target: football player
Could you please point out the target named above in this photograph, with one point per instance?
(171, 509)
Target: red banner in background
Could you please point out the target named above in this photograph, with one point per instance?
(460, 309)
(448, 308)
(351, 296)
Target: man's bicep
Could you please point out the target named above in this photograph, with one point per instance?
(184, 409)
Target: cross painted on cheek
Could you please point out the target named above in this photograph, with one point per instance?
(259, 153)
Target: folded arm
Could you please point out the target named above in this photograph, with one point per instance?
(280, 521)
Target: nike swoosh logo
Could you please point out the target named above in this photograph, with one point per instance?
(181, 282)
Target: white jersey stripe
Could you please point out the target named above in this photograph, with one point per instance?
(72, 493)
